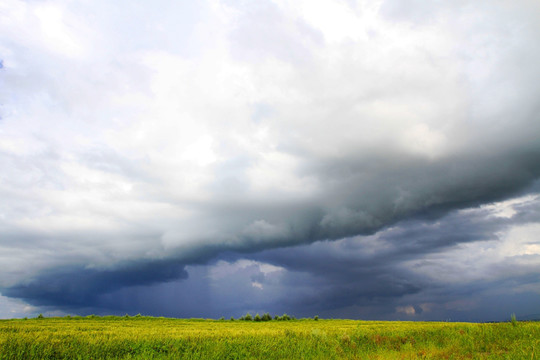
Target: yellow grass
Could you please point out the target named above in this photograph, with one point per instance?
(161, 338)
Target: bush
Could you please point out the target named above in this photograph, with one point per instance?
(513, 320)
(316, 317)
(232, 318)
(247, 317)
(40, 316)
(266, 317)
(257, 317)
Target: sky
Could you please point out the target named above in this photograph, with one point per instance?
(348, 159)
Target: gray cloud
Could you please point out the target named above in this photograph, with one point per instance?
(451, 267)
(430, 264)
(342, 144)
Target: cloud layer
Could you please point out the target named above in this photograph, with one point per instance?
(342, 153)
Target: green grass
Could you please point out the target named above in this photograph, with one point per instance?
(161, 338)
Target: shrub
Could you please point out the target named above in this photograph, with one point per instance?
(247, 317)
(266, 317)
(513, 320)
(40, 316)
(316, 317)
(232, 318)
(257, 317)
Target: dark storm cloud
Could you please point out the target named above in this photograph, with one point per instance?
(76, 287)
(382, 276)
(365, 277)
(360, 271)
(372, 275)
(357, 152)
(363, 196)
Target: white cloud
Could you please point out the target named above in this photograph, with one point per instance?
(10, 309)
(223, 268)
(257, 285)
(507, 209)
(407, 310)
(56, 34)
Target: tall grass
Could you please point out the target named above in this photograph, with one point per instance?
(160, 338)
(513, 320)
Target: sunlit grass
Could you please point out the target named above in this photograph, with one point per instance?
(161, 338)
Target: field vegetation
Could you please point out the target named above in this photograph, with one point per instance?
(141, 337)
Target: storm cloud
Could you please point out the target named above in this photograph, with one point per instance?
(375, 159)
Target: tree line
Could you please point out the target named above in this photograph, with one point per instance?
(266, 317)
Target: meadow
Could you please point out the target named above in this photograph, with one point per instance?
(163, 338)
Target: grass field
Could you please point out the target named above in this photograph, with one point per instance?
(161, 338)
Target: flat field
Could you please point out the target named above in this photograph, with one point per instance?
(162, 338)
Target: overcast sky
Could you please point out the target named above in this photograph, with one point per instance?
(359, 159)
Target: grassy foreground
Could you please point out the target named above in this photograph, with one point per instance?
(161, 338)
